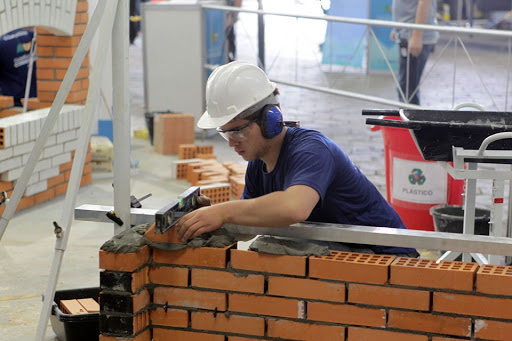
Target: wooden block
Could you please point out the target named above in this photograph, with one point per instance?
(72, 307)
(89, 304)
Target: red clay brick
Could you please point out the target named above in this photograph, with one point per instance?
(169, 275)
(494, 279)
(389, 297)
(493, 330)
(169, 236)
(351, 267)
(170, 318)
(82, 6)
(144, 336)
(124, 261)
(472, 305)
(44, 196)
(265, 305)
(61, 189)
(56, 180)
(304, 331)
(51, 40)
(6, 102)
(279, 264)
(65, 166)
(346, 314)
(228, 324)
(365, 334)
(10, 112)
(428, 273)
(424, 322)
(86, 179)
(211, 257)
(437, 338)
(306, 288)
(45, 51)
(183, 335)
(25, 202)
(190, 298)
(81, 18)
(238, 338)
(224, 280)
(82, 73)
(6, 186)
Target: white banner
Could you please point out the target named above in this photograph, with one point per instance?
(419, 182)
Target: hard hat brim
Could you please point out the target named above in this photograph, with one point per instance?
(208, 122)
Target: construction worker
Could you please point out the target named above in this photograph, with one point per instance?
(293, 175)
(14, 65)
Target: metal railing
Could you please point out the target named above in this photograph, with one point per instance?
(455, 37)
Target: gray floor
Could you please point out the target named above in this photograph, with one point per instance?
(27, 247)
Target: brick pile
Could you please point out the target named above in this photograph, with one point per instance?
(199, 166)
(228, 294)
(52, 172)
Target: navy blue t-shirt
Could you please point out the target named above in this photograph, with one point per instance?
(308, 157)
(14, 59)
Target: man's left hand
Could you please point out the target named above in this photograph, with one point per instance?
(197, 222)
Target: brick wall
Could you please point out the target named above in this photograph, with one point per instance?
(235, 295)
(54, 54)
(19, 132)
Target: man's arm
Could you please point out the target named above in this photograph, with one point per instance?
(416, 41)
(275, 209)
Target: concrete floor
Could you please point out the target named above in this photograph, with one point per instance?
(27, 247)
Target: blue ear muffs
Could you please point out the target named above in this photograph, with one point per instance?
(271, 121)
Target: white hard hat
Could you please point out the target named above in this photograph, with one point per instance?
(231, 89)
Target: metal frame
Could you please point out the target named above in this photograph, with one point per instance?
(470, 172)
(379, 23)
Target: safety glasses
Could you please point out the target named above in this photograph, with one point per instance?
(235, 134)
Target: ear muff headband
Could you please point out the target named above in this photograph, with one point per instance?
(271, 121)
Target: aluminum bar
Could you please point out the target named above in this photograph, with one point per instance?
(121, 114)
(340, 233)
(98, 213)
(369, 22)
(384, 236)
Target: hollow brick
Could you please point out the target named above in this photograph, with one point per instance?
(494, 279)
(124, 261)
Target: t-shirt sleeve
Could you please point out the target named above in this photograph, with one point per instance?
(312, 164)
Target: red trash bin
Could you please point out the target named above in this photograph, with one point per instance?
(414, 185)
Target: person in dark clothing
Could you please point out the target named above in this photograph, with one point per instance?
(294, 174)
(15, 48)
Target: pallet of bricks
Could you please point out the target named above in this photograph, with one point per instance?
(218, 181)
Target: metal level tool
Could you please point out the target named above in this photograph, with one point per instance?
(169, 215)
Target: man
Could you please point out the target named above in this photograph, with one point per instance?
(14, 65)
(415, 45)
(293, 175)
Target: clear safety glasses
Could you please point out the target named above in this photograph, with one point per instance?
(235, 134)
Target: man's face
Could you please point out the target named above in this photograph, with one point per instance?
(244, 136)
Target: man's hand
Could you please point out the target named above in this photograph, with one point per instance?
(416, 44)
(197, 222)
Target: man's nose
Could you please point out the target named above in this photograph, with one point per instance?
(232, 142)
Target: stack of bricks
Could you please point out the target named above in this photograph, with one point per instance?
(219, 294)
(192, 151)
(51, 174)
(171, 130)
(198, 165)
(54, 54)
(236, 178)
(7, 107)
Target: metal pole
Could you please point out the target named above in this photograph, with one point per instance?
(261, 37)
(79, 160)
(29, 73)
(121, 115)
